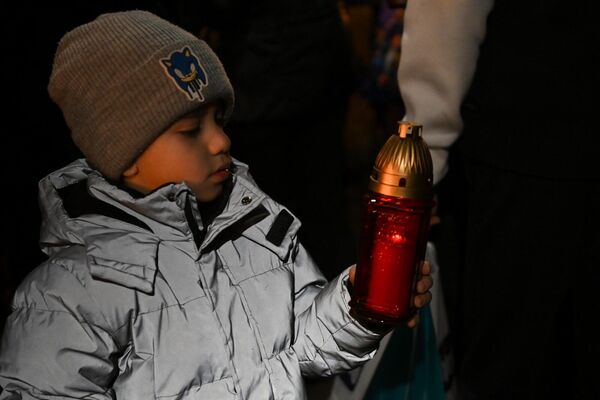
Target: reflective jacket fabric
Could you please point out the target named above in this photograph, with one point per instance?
(129, 307)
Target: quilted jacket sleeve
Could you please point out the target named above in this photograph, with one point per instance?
(328, 339)
(53, 346)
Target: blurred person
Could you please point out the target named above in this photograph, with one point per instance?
(505, 85)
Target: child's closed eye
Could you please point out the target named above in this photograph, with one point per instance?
(191, 132)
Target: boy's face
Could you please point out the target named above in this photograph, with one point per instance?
(194, 150)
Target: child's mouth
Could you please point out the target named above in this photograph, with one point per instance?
(221, 174)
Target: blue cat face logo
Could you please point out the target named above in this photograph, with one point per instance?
(185, 70)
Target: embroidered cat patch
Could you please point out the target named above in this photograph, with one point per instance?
(184, 68)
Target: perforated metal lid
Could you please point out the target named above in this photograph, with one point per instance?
(403, 167)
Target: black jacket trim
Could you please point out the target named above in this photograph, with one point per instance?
(77, 202)
(282, 223)
(233, 232)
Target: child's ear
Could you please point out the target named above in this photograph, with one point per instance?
(131, 171)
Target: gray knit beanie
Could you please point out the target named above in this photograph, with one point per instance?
(124, 78)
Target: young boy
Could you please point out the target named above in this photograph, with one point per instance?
(170, 274)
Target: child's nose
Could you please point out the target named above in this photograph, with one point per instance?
(219, 142)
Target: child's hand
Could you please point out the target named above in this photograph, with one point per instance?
(351, 274)
(422, 295)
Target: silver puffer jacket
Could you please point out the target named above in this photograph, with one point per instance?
(128, 306)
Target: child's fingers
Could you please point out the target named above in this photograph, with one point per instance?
(425, 268)
(422, 299)
(414, 321)
(351, 274)
(424, 284)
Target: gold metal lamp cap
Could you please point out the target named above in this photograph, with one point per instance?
(403, 167)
